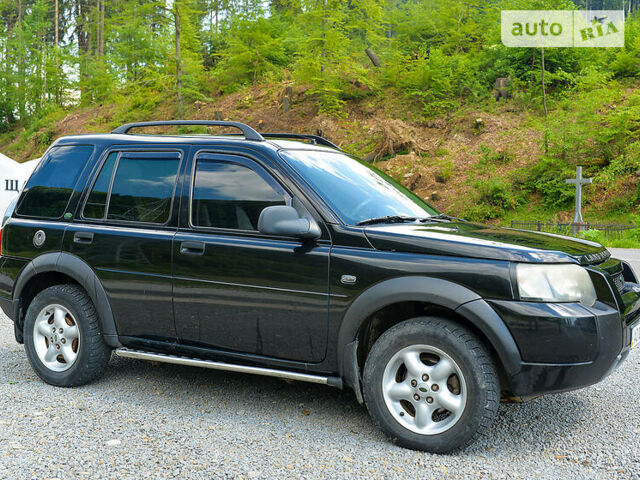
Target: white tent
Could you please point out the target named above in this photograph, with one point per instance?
(13, 176)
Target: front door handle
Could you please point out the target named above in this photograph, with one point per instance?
(192, 248)
(83, 237)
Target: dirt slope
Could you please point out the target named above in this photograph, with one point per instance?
(434, 158)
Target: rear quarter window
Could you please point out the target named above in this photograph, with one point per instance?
(47, 192)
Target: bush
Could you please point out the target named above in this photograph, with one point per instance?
(251, 50)
(626, 239)
(497, 192)
(489, 156)
(494, 197)
(547, 178)
(433, 78)
(444, 169)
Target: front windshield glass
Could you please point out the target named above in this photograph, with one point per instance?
(355, 191)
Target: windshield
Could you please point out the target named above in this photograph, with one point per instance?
(355, 190)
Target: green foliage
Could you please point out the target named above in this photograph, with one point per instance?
(623, 165)
(433, 78)
(441, 152)
(547, 178)
(497, 192)
(494, 196)
(444, 169)
(437, 53)
(626, 239)
(437, 56)
(491, 157)
(252, 49)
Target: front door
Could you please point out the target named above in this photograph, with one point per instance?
(125, 234)
(236, 289)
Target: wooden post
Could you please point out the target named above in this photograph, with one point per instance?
(286, 99)
(373, 57)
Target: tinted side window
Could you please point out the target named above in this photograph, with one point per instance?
(229, 195)
(143, 187)
(48, 190)
(97, 202)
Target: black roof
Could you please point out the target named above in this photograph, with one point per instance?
(249, 136)
(120, 139)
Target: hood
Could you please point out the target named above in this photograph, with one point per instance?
(462, 239)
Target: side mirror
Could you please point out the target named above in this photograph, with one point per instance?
(284, 220)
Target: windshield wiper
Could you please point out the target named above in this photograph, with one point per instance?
(441, 217)
(387, 219)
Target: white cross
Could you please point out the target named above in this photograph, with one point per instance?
(578, 181)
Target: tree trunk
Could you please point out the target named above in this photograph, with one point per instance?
(98, 13)
(43, 95)
(21, 75)
(57, 38)
(217, 13)
(324, 34)
(101, 29)
(544, 92)
(176, 17)
(83, 46)
(544, 103)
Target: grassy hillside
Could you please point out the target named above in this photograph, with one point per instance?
(407, 85)
(486, 161)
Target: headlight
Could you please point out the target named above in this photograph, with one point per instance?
(555, 283)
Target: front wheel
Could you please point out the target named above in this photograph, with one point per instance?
(431, 385)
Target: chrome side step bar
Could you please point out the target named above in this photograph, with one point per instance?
(195, 362)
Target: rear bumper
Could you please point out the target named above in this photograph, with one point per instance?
(7, 306)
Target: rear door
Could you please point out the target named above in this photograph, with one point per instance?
(236, 289)
(125, 231)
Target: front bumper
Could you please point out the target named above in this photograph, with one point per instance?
(536, 379)
(566, 346)
(563, 346)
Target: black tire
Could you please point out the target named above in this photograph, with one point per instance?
(93, 354)
(472, 359)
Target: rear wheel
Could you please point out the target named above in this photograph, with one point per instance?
(431, 385)
(62, 337)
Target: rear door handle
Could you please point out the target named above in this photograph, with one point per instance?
(192, 248)
(83, 237)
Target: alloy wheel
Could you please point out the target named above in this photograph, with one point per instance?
(424, 389)
(56, 338)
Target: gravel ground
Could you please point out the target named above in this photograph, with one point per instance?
(144, 420)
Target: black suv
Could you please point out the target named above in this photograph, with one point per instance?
(280, 255)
